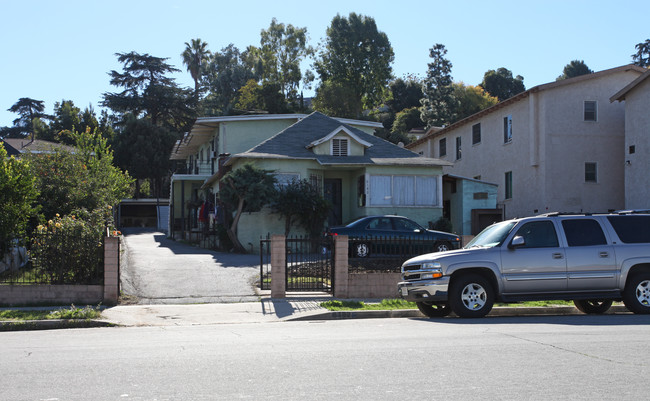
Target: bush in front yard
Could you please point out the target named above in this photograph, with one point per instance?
(69, 249)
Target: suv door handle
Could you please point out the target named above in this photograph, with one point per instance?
(604, 254)
(557, 256)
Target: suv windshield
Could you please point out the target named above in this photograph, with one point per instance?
(492, 236)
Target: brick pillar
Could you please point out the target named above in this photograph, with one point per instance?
(341, 266)
(111, 270)
(278, 266)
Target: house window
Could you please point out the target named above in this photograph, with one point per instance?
(316, 181)
(507, 129)
(283, 179)
(476, 133)
(339, 147)
(591, 172)
(632, 149)
(403, 190)
(442, 147)
(458, 146)
(509, 185)
(591, 110)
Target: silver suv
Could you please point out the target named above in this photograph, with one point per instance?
(590, 259)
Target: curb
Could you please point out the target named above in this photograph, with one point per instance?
(414, 313)
(52, 324)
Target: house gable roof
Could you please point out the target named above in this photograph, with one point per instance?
(17, 146)
(436, 131)
(620, 95)
(294, 143)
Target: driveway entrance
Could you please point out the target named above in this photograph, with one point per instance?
(156, 270)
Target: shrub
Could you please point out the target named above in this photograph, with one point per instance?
(69, 249)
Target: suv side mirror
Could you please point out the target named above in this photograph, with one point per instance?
(517, 242)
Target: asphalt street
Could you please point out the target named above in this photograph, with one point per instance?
(577, 357)
(156, 270)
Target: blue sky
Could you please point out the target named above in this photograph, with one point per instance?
(54, 50)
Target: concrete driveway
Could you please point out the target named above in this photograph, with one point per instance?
(156, 270)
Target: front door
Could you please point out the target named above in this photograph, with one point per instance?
(539, 265)
(332, 187)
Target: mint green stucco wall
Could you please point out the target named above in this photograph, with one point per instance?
(254, 225)
(463, 202)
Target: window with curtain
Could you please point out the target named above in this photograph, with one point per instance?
(403, 190)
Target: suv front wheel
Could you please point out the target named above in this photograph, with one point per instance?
(471, 295)
(636, 295)
(593, 306)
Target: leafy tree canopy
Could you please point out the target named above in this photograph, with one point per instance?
(404, 94)
(501, 84)
(358, 57)
(574, 69)
(18, 194)
(27, 109)
(642, 55)
(338, 99)
(471, 99)
(225, 74)
(407, 119)
(301, 203)
(245, 189)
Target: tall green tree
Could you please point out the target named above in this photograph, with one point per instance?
(246, 189)
(356, 56)
(438, 104)
(501, 84)
(225, 74)
(282, 49)
(195, 56)
(642, 55)
(299, 203)
(148, 92)
(18, 194)
(404, 94)
(27, 109)
(470, 100)
(574, 69)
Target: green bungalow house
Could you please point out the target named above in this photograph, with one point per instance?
(359, 173)
(208, 144)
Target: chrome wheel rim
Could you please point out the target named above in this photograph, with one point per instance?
(643, 293)
(442, 248)
(362, 250)
(474, 296)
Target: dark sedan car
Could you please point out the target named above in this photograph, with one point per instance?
(392, 234)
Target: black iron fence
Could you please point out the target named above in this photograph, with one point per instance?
(57, 258)
(385, 254)
(309, 264)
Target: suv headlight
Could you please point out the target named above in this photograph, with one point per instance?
(435, 270)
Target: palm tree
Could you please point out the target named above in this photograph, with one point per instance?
(194, 56)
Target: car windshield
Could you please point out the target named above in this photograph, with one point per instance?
(492, 236)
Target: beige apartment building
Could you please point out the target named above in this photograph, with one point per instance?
(560, 146)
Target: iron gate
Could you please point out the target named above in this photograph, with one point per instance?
(309, 264)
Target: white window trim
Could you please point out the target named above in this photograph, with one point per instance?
(584, 107)
(438, 200)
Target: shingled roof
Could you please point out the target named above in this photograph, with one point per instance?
(293, 143)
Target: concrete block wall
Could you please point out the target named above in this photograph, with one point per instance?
(111, 270)
(373, 285)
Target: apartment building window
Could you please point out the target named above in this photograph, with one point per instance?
(476, 133)
(442, 147)
(507, 129)
(458, 148)
(591, 110)
(339, 147)
(509, 185)
(591, 172)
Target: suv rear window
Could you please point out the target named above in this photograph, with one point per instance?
(631, 229)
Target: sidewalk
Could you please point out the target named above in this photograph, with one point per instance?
(267, 310)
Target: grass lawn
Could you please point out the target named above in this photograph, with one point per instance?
(390, 304)
(70, 313)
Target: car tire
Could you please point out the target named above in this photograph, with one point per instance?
(636, 295)
(442, 246)
(593, 306)
(361, 250)
(471, 296)
(434, 309)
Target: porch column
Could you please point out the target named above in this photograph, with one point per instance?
(341, 266)
(278, 266)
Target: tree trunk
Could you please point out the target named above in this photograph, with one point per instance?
(232, 231)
